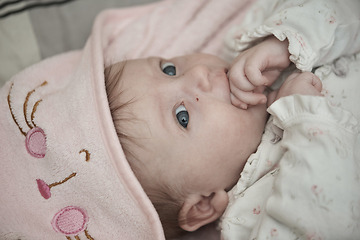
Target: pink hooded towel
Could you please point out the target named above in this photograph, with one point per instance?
(63, 171)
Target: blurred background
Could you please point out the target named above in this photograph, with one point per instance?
(31, 30)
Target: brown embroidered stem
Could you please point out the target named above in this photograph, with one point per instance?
(88, 235)
(25, 107)
(68, 238)
(77, 238)
(34, 108)
(12, 114)
(87, 154)
(61, 182)
(33, 112)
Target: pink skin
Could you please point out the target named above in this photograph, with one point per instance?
(204, 159)
(256, 68)
(207, 157)
(44, 188)
(297, 83)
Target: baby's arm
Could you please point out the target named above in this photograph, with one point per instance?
(315, 193)
(256, 68)
(316, 31)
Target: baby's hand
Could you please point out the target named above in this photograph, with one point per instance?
(256, 68)
(297, 83)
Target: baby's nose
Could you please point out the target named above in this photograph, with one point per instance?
(199, 77)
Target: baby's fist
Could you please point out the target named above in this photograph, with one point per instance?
(298, 83)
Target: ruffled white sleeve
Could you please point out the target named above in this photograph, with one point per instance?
(316, 193)
(318, 31)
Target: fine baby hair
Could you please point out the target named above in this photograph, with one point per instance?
(186, 169)
(173, 196)
(159, 126)
(101, 189)
(164, 202)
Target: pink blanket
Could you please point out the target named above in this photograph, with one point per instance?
(63, 172)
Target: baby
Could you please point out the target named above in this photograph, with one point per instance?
(190, 125)
(195, 129)
(183, 135)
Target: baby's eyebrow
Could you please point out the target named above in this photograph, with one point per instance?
(153, 63)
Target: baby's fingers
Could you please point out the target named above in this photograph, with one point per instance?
(237, 103)
(249, 98)
(254, 74)
(239, 80)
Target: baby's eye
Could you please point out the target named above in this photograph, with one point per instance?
(182, 116)
(169, 68)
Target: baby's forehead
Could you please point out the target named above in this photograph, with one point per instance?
(126, 82)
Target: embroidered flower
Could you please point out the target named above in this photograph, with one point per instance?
(256, 210)
(314, 236)
(269, 163)
(274, 232)
(315, 131)
(331, 20)
(316, 190)
(320, 199)
(279, 22)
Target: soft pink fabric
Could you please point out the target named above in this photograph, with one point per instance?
(70, 221)
(74, 167)
(44, 189)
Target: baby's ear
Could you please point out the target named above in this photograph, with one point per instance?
(199, 210)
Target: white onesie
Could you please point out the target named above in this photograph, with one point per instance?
(304, 180)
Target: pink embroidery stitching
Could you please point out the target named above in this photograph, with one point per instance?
(316, 190)
(35, 142)
(35, 139)
(314, 236)
(70, 221)
(274, 232)
(44, 189)
(256, 210)
(315, 132)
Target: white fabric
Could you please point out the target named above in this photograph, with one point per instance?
(318, 31)
(304, 180)
(312, 181)
(63, 173)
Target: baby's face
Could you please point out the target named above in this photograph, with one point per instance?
(188, 128)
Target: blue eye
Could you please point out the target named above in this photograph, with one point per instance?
(182, 116)
(169, 69)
